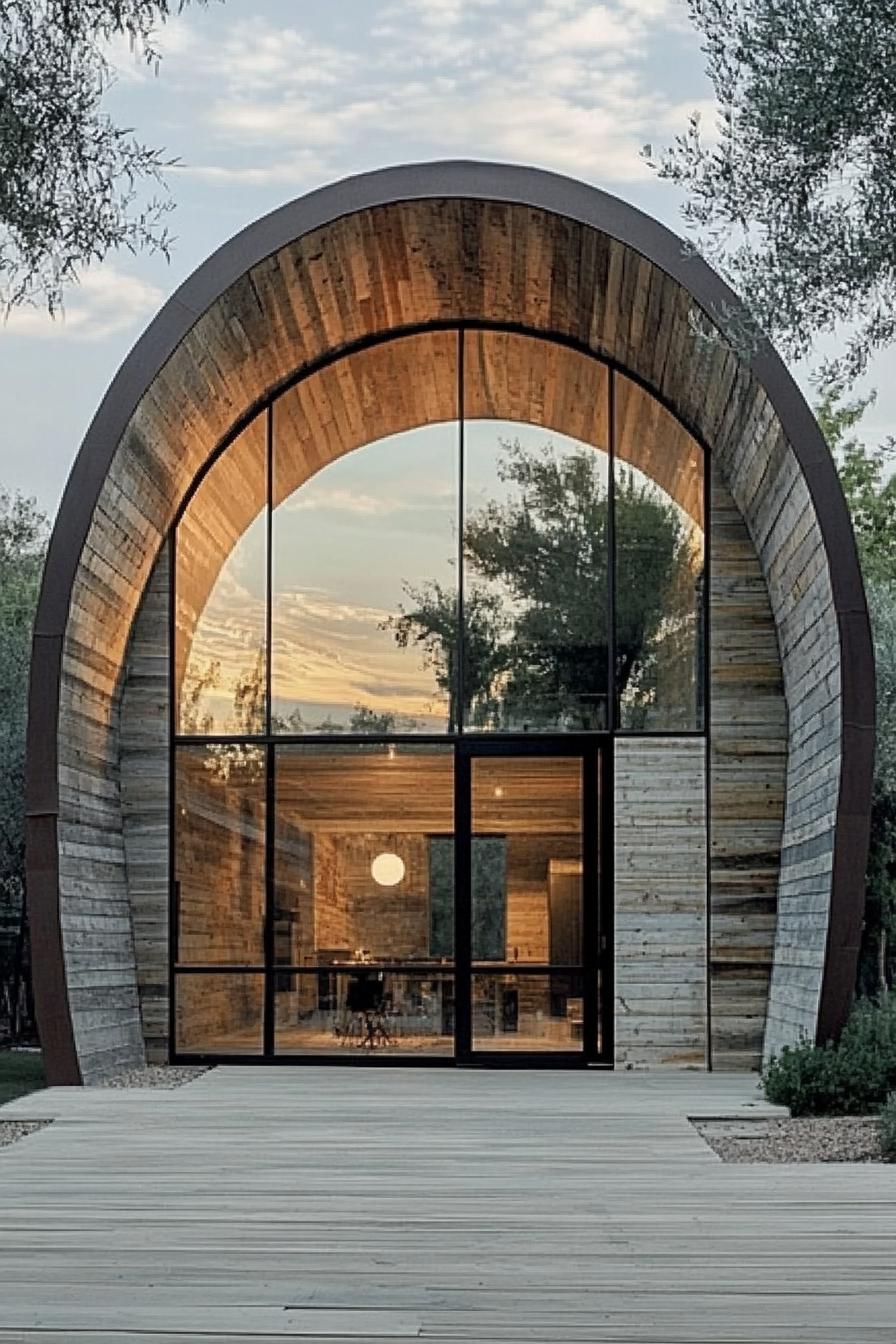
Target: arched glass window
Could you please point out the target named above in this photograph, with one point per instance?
(536, 536)
(453, 544)
(365, 547)
(660, 556)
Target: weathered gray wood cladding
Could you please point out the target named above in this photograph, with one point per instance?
(145, 734)
(660, 865)
(370, 272)
(748, 760)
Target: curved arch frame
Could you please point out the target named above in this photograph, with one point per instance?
(529, 188)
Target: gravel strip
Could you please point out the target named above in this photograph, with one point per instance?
(13, 1130)
(155, 1075)
(807, 1139)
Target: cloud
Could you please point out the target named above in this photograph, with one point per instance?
(564, 83)
(106, 301)
(341, 501)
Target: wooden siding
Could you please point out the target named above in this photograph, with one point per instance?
(748, 762)
(660, 862)
(144, 798)
(367, 273)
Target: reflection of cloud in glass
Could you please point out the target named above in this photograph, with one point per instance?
(345, 545)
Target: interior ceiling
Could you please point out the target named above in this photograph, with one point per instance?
(371, 789)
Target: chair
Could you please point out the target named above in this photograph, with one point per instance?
(365, 1012)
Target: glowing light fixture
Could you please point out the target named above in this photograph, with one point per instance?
(387, 870)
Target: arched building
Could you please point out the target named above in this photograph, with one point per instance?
(451, 647)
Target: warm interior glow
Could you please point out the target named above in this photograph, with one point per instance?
(387, 870)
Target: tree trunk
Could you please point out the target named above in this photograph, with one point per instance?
(18, 961)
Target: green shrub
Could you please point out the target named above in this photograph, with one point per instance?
(888, 1128)
(852, 1077)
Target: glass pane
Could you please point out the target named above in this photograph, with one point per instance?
(365, 543)
(527, 860)
(361, 836)
(219, 1014)
(659, 567)
(366, 1009)
(220, 854)
(221, 585)
(523, 1012)
(535, 536)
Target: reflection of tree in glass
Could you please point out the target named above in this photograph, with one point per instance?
(536, 611)
(364, 721)
(198, 719)
(249, 696)
(196, 685)
(431, 622)
(658, 600)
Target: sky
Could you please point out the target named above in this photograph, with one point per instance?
(260, 101)
(263, 100)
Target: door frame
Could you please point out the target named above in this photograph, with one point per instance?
(595, 753)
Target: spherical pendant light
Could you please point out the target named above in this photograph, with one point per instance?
(387, 870)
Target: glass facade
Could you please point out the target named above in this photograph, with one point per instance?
(221, 594)
(396, 675)
(365, 585)
(660, 552)
(535, 536)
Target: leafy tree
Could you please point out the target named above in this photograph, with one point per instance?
(865, 474)
(196, 685)
(871, 495)
(378, 723)
(430, 621)
(23, 532)
(536, 609)
(796, 196)
(69, 176)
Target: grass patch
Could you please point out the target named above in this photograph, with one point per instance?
(21, 1071)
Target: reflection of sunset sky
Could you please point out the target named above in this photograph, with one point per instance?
(344, 546)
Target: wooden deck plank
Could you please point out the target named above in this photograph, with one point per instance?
(318, 1203)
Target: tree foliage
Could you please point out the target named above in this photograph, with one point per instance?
(795, 196)
(536, 604)
(71, 180)
(870, 490)
(22, 543)
(867, 480)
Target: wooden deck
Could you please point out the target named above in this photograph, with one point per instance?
(384, 1204)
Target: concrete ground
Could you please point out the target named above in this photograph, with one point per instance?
(321, 1203)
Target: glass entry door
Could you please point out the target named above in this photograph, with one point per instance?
(405, 901)
(532, 929)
